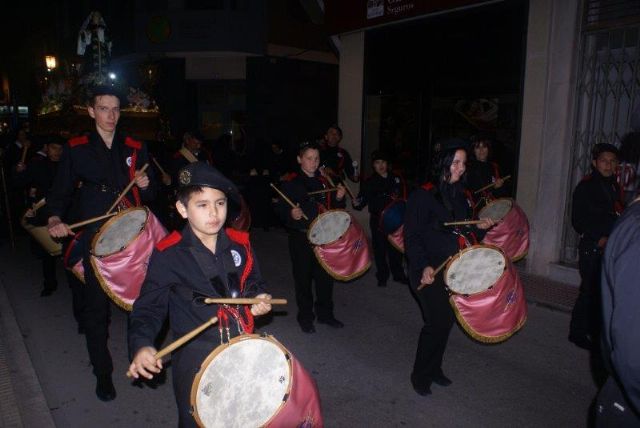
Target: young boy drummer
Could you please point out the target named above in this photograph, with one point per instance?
(203, 260)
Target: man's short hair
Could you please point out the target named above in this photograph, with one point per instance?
(601, 148)
(102, 90)
(337, 128)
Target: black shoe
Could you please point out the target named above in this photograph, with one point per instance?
(307, 327)
(401, 279)
(382, 283)
(105, 389)
(419, 388)
(331, 322)
(442, 380)
(580, 341)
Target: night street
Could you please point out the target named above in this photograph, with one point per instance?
(537, 378)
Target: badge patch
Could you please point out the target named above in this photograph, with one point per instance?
(128, 161)
(237, 259)
(185, 177)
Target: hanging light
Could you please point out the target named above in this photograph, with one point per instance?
(51, 62)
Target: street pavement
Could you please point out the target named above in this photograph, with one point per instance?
(536, 378)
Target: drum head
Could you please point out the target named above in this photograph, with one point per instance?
(329, 227)
(242, 384)
(118, 232)
(475, 269)
(496, 210)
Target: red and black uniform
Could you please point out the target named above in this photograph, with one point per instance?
(104, 173)
(429, 243)
(339, 160)
(596, 206)
(306, 268)
(480, 174)
(182, 272)
(377, 192)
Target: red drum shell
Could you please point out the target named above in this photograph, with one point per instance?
(493, 315)
(511, 234)
(349, 256)
(122, 273)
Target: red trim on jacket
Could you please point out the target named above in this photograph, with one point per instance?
(78, 141)
(134, 144)
(169, 241)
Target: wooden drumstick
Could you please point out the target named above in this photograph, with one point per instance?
(126, 189)
(435, 272)
(243, 301)
(41, 203)
(181, 341)
(318, 192)
(489, 186)
(344, 183)
(91, 220)
(463, 223)
(287, 200)
(162, 171)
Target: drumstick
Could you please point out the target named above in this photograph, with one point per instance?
(317, 192)
(243, 301)
(344, 183)
(162, 171)
(181, 341)
(126, 189)
(488, 186)
(91, 220)
(435, 272)
(41, 203)
(463, 223)
(287, 200)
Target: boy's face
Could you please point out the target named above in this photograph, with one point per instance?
(332, 137)
(606, 163)
(106, 112)
(380, 167)
(309, 161)
(54, 152)
(206, 212)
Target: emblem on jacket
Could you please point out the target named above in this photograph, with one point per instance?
(128, 161)
(237, 259)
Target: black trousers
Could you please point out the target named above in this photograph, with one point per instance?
(95, 315)
(438, 318)
(613, 409)
(307, 270)
(382, 250)
(586, 313)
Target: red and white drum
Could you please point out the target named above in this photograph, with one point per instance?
(340, 244)
(486, 293)
(254, 381)
(511, 234)
(120, 253)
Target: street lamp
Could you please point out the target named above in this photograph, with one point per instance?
(51, 62)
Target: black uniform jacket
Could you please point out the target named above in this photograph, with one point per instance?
(620, 300)
(427, 241)
(338, 159)
(37, 178)
(595, 208)
(181, 271)
(104, 173)
(377, 191)
(296, 189)
(480, 174)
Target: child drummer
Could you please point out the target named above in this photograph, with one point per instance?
(203, 260)
(304, 263)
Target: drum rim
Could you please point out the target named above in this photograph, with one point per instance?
(222, 347)
(459, 254)
(493, 201)
(30, 228)
(109, 223)
(316, 219)
(393, 202)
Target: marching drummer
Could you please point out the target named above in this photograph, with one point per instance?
(105, 160)
(483, 171)
(428, 243)
(336, 160)
(377, 191)
(304, 263)
(204, 260)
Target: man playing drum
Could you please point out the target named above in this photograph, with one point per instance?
(203, 260)
(378, 191)
(105, 161)
(306, 267)
(428, 243)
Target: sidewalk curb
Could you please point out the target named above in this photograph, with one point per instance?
(25, 403)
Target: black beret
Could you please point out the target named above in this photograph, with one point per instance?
(203, 174)
(600, 148)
